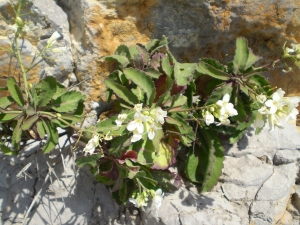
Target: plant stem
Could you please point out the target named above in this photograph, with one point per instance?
(186, 110)
(64, 121)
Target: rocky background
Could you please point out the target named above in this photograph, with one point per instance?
(260, 178)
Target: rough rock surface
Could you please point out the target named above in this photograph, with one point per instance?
(260, 172)
(252, 190)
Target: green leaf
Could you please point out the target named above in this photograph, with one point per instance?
(261, 83)
(176, 101)
(152, 73)
(119, 58)
(8, 151)
(6, 101)
(241, 55)
(90, 160)
(15, 91)
(192, 165)
(47, 91)
(143, 81)
(217, 164)
(244, 57)
(67, 102)
(52, 136)
(160, 158)
(121, 91)
(186, 131)
(60, 90)
(219, 93)
(109, 125)
(29, 111)
(183, 73)
(152, 44)
(17, 133)
(40, 129)
(123, 50)
(251, 59)
(207, 69)
(166, 66)
(29, 122)
(8, 116)
(214, 63)
(205, 163)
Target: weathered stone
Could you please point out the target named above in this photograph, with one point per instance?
(184, 207)
(272, 198)
(287, 219)
(244, 176)
(267, 143)
(286, 156)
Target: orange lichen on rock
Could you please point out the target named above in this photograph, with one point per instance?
(9, 67)
(128, 26)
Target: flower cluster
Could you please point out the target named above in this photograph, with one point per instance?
(145, 121)
(221, 110)
(141, 199)
(276, 110)
(92, 144)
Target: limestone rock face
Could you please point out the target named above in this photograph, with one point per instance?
(93, 29)
(259, 175)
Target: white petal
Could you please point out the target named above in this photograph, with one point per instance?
(136, 137)
(226, 98)
(131, 126)
(151, 135)
(53, 37)
(140, 127)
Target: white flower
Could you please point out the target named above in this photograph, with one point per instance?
(223, 120)
(209, 118)
(263, 110)
(53, 38)
(138, 107)
(121, 118)
(157, 198)
(276, 102)
(261, 98)
(136, 136)
(159, 115)
(259, 121)
(92, 144)
(273, 121)
(293, 114)
(108, 137)
(226, 106)
(137, 123)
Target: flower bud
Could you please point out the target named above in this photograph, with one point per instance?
(211, 109)
(19, 22)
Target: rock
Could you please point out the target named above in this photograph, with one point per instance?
(186, 207)
(267, 143)
(286, 156)
(287, 219)
(243, 177)
(272, 198)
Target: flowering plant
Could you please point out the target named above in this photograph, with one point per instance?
(165, 115)
(161, 120)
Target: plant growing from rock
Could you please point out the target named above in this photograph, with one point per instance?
(163, 116)
(158, 121)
